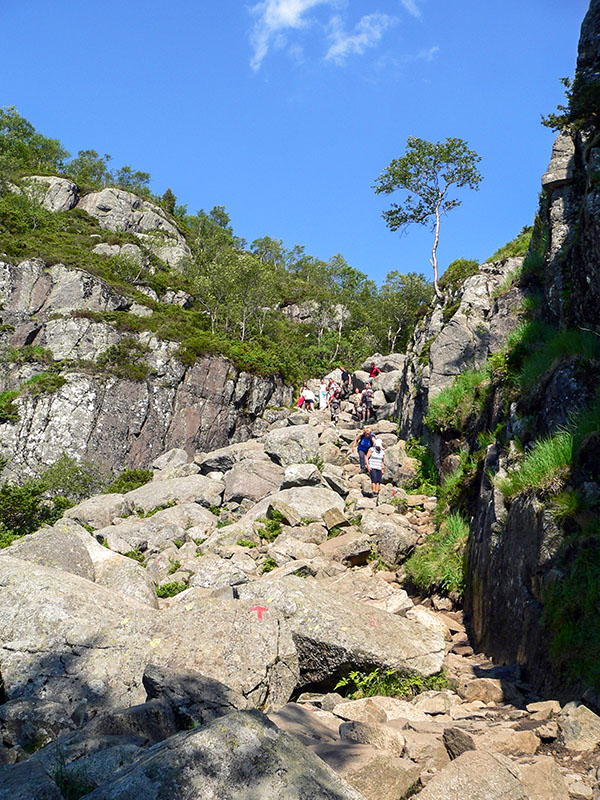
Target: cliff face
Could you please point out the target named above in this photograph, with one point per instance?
(97, 415)
(519, 550)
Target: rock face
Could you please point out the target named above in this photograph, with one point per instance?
(118, 210)
(118, 422)
(571, 202)
(442, 349)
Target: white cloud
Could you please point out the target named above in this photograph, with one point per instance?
(428, 55)
(273, 18)
(412, 7)
(367, 33)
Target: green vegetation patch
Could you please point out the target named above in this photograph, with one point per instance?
(457, 273)
(516, 248)
(358, 684)
(129, 480)
(454, 406)
(170, 589)
(438, 564)
(571, 603)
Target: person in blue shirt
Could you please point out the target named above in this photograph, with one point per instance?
(363, 443)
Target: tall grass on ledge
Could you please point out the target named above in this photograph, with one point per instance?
(545, 467)
(438, 563)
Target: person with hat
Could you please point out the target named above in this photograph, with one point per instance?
(367, 402)
(375, 465)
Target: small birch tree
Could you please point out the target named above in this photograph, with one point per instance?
(428, 171)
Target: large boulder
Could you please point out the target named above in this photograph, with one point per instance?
(117, 209)
(252, 480)
(224, 458)
(111, 569)
(148, 535)
(334, 633)
(213, 572)
(32, 723)
(55, 194)
(399, 468)
(99, 511)
(477, 776)
(193, 489)
(26, 781)
(301, 475)
(49, 547)
(193, 698)
(393, 536)
(308, 502)
(71, 640)
(242, 756)
(293, 445)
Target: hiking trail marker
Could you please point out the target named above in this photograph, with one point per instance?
(259, 610)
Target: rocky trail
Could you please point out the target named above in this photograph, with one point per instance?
(187, 639)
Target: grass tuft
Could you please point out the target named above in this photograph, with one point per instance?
(438, 563)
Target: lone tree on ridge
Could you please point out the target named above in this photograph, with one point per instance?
(427, 171)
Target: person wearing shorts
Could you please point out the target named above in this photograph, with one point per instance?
(363, 443)
(375, 466)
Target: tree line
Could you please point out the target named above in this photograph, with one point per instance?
(246, 291)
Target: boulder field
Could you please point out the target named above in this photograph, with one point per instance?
(188, 639)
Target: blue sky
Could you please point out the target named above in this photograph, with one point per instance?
(285, 111)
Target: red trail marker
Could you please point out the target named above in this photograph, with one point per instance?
(259, 610)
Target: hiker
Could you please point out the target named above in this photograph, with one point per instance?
(309, 399)
(366, 402)
(374, 460)
(363, 443)
(322, 394)
(334, 406)
(300, 402)
(375, 371)
(346, 385)
(356, 401)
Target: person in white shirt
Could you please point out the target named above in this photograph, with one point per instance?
(375, 465)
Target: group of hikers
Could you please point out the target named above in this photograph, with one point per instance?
(330, 395)
(332, 392)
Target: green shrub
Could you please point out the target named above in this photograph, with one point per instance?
(457, 273)
(246, 543)
(125, 360)
(42, 383)
(8, 410)
(174, 566)
(136, 555)
(272, 525)
(268, 565)
(170, 589)
(23, 509)
(31, 354)
(358, 684)
(129, 480)
(452, 408)
(75, 480)
(518, 247)
(427, 477)
(555, 347)
(437, 565)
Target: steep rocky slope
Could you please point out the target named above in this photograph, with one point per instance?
(109, 691)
